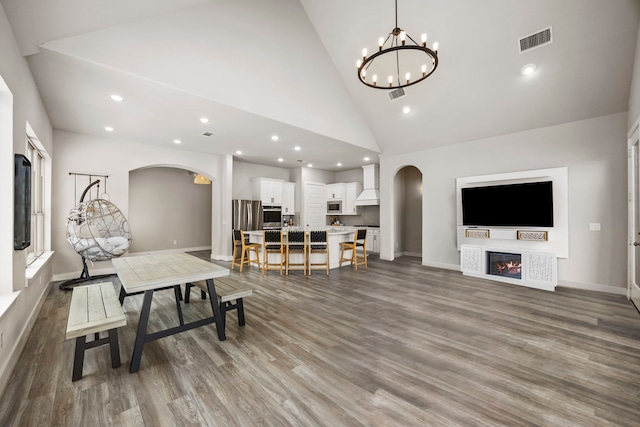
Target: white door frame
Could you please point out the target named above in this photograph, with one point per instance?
(633, 153)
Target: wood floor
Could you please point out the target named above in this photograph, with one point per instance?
(397, 344)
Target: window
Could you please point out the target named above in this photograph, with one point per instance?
(37, 160)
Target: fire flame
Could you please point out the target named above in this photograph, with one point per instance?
(509, 267)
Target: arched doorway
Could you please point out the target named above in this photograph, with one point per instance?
(408, 212)
(168, 211)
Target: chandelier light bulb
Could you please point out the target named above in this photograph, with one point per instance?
(358, 63)
(436, 45)
(375, 80)
(390, 81)
(381, 42)
(424, 39)
(424, 69)
(364, 53)
(403, 36)
(364, 74)
(408, 77)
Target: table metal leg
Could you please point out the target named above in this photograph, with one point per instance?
(217, 314)
(178, 293)
(142, 331)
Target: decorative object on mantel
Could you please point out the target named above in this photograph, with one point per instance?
(96, 229)
(398, 51)
(476, 233)
(536, 236)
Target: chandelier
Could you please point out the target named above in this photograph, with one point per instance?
(399, 57)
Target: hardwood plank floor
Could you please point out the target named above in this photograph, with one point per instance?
(397, 344)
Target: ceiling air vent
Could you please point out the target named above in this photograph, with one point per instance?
(207, 134)
(395, 94)
(538, 39)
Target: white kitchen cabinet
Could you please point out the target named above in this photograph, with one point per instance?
(334, 191)
(373, 240)
(376, 240)
(288, 198)
(351, 191)
(268, 190)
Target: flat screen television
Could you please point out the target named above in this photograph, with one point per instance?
(512, 205)
(21, 203)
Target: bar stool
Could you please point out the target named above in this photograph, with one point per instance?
(359, 240)
(242, 250)
(272, 244)
(296, 244)
(318, 244)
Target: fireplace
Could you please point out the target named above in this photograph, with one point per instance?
(504, 264)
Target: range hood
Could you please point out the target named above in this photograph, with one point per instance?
(370, 196)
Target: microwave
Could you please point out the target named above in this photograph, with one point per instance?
(334, 207)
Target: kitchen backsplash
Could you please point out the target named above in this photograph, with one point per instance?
(369, 215)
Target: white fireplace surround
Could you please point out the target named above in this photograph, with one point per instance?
(506, 238)
(539, 269)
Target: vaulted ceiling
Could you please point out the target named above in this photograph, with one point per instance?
(259, 68)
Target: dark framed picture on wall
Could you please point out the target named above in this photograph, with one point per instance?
(22, 203)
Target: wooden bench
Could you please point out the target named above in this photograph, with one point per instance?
(94, 308)
(227, 293)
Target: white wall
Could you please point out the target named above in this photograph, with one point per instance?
(594, 151)
(115, 158)
(634, 95)
(243, 173)
(20, 103)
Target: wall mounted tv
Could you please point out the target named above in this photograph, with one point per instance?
(21, 203)
(512, 205)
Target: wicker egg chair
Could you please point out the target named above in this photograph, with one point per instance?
(98, 231)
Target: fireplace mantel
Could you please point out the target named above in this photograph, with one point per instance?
(538, 269)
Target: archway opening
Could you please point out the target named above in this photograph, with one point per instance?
(168, 211)
(408, 212)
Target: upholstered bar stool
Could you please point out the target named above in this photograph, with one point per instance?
(318, 244)
(296, 244)
(272, 245)
(359, 241)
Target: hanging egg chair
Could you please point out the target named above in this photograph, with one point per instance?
(98, 231)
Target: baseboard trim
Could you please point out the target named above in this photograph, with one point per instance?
(593, 287)
(413, 254)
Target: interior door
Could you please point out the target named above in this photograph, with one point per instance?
(633, 292)
(314, 206)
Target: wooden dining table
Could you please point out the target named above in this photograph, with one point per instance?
(149, 273)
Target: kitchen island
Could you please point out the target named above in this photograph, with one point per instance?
(335, 235)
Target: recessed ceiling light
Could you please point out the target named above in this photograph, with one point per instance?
(406, 109)
(528, 69)
(297, 148)
(281, 159)
(310, 165)
(108, 128)
(366, 159)
(204, 120)
(274, 137)
(117, 98)
(177, 141)
(339, 164)
(238, 152)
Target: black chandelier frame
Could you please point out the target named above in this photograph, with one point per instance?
(397, 47)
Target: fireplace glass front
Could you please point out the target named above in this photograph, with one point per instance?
(504, 264)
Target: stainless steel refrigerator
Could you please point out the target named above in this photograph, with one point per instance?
(247, 215)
